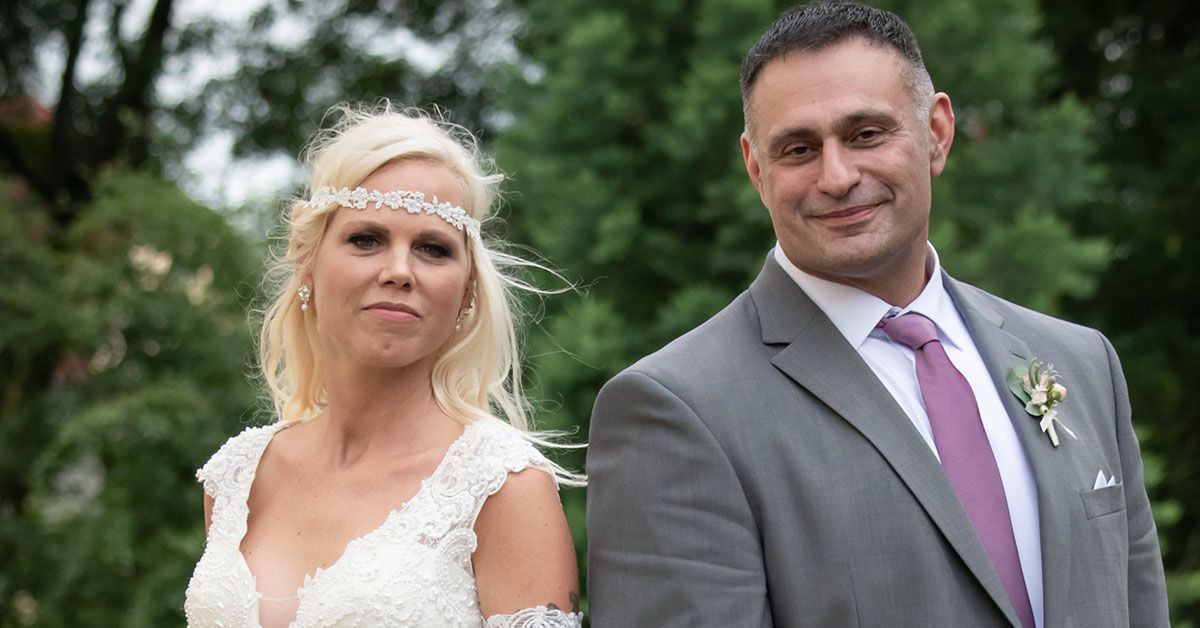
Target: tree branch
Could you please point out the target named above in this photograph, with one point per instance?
(133, 97)
(114, 28)
(62, 159)
(16, 163)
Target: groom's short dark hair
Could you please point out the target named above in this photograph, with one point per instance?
(817, 25)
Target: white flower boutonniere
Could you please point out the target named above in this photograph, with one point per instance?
(1037, 385)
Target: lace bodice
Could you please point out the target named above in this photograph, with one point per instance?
(413, 570)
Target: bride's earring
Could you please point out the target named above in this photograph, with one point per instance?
(305, 293)
(465, 313)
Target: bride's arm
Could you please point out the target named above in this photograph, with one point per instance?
(525, 558)
(208, 506)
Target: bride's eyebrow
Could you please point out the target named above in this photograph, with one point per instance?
(436, 234)
(365, 225)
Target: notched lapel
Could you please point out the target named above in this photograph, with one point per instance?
(820, 359)
(1001, 350)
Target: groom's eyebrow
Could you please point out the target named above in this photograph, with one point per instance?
(867, 116)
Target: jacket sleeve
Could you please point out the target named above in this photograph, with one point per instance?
(1147, 585)
(672, 539)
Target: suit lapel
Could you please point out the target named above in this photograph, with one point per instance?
(1001, 351)
(819, 359)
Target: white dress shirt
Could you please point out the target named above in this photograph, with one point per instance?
(856, 313)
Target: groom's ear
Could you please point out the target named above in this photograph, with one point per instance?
(752, 167)
(941, 132)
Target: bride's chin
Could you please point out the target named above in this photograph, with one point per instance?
(392, 359)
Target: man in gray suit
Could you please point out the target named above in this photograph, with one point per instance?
(840, 446)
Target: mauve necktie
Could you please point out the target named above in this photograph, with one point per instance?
(964, 450)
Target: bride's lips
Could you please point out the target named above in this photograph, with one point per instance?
(849, 216)
(392, 311)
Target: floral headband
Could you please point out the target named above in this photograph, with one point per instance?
(412, 202)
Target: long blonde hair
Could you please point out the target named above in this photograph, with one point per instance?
(478, 372)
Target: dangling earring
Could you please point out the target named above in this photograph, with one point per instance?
(465, 313)
(304, 293)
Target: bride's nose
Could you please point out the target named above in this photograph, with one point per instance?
(397, 269)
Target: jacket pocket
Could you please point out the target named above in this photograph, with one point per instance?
(1103, 501)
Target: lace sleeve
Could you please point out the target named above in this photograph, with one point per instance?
(536, 617)
(211, 473)
(228, 467)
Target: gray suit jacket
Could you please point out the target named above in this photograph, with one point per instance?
(755, 472)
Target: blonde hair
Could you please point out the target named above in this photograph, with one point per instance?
(477, 375)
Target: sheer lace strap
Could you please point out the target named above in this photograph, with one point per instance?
(235, 460)
(504, 448)
(536, 617)
(499, 450)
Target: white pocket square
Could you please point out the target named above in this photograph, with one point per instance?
(1101, 482)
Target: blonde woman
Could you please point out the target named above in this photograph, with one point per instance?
(399, 486)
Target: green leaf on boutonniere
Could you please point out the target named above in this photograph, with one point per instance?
(1016, 383)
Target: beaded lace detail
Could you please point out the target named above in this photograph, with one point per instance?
(410, 201)
(413, 570)
(536, 617)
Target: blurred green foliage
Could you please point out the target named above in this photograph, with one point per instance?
(123, 360)
(124, 341)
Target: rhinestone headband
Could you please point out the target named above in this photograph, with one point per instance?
(412, 202)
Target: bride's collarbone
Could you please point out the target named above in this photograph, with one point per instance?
(303, 515)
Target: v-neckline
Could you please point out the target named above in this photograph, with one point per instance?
(310, 578)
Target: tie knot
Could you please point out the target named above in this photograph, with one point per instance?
(912, 330)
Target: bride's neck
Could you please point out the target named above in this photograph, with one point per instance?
(369, 409)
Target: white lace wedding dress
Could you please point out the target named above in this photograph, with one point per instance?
(413, 570)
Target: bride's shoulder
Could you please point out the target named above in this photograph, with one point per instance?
(234, 456)
(502, 447)
(524, 555)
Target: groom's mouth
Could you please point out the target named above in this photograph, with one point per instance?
(849, 216)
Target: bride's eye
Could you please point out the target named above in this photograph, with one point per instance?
(363, 241)
(435, 249)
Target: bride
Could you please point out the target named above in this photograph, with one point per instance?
(399, 486)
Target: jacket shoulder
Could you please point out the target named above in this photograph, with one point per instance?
(1036, 328)
(708, 351)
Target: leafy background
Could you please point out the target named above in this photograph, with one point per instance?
(128, 264)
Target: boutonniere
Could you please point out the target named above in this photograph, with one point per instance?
(1037, 385)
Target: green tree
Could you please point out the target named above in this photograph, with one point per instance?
(140, 318)
(630, 176)
(124, 339)
(413, 52)
(92, 123)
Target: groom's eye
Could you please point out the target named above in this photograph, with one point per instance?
(799, 151)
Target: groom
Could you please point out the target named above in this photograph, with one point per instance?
(839, 446)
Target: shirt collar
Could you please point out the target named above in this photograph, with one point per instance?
(856, 313)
